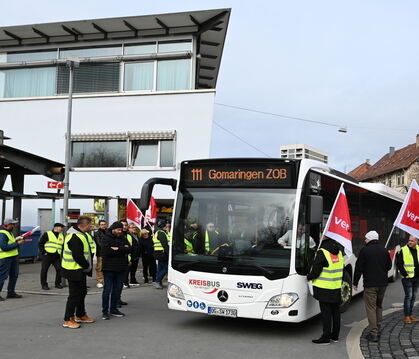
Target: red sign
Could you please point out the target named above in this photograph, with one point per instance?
(408, 218)
(55, 185)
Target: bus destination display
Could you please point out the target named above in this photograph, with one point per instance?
(238, 175)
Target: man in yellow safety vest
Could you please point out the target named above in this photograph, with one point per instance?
(161, 240)
(77, 264)
(9, 265)
(50, 249)
(408, 265)
(326, 274)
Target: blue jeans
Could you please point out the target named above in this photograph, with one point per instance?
(9, 267)
(410, 286)
(112, 286)
(162, 267)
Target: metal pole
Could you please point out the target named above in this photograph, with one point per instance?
(70, 65)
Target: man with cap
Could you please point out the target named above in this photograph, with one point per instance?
(115, 251)
(50, 248)
(373, 264)
(9, 264)
(407, 260)
(161, 240)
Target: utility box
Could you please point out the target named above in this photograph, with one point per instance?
(29, 249)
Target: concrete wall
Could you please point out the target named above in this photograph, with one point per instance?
(39, 126)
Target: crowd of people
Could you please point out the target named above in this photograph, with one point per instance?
(120, 247)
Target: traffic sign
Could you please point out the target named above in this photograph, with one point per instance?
(55, 185)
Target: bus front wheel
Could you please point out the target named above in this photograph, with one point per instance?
(346, 291)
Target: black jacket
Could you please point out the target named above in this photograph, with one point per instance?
(98, 236)
(75, 245)
(115, 260)
(320, 262)
(41, 246)
(373, 263)
(147, 247)
(400, 262)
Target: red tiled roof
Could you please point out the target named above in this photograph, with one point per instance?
(360, 170)
(402, 158)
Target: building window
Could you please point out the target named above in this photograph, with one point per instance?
(400, 178)
(139, 76)
(130, 150)
(31, 56)
(140, 49)
(175, 46)
(27, 82)
(99, 154)
(88, 78)
(92, 52)
(173, 75)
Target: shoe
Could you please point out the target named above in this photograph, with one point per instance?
(119, 305)
(71, 324)
(99, 285)
(334, 340)
(45, 287)
(117, 313)
(84, 319)
(414, 319)
(121, 302)
(14, 296)
(126, 286)
(105, 316)
(134, 284)
(372, 338)
(2, 299)
(158, 285)
(59, 286)
(145, 281)
(321, 341)
(407, 320)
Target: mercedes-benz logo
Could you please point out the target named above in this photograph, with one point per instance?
(222, 296)
(224, 270)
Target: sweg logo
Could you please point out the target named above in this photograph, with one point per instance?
(413, 216)
(342, 223)
(249, 285)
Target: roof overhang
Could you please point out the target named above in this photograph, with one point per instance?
(208, 26)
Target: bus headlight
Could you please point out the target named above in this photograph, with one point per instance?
(175, 292)
(284, 300)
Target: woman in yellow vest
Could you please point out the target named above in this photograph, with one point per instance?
(9, 265)
(326, 274)
(408, 265)
(50, 248)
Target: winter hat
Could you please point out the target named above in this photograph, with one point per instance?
(372, 236)
(116, 225)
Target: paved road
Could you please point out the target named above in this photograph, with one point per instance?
(31, 327)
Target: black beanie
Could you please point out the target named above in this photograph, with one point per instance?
(116, 225)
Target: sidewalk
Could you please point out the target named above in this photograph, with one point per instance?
(29, 281)
(398, 340)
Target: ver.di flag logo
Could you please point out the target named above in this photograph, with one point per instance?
(133, 213)
(338, 226)
(408, 217)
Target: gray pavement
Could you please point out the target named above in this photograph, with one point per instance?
(31, 327)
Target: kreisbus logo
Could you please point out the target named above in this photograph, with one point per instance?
(210, 285)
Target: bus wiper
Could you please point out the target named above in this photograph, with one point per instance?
(187, 264)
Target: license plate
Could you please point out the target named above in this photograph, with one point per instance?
(222, 312)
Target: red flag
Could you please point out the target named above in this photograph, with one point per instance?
(338, 226)
(408, 217)
(151, 214)
(134, 214)
(29, 233)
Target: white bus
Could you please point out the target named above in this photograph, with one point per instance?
(245, 231)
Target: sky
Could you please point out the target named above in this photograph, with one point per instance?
(351, 64)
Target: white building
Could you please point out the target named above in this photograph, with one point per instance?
(303, 151)
(144, 98)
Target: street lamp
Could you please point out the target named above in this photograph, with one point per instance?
(72, 62)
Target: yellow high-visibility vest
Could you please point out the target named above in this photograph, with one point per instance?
(188, 247)
(67, 261)
(129, 238)
(157, 244)
(331, 277)
(13, 252)
(207, 240)
(409, 263)
(92, 243)
(54, 244)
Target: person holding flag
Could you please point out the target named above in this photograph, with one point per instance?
(9, 250)
(408, 257)
(327, 270)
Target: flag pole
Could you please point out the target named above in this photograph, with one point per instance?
(388, 239)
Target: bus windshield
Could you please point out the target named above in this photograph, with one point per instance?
(233, 231)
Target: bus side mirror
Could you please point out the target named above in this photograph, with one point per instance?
(315, 209)
(147, 190)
